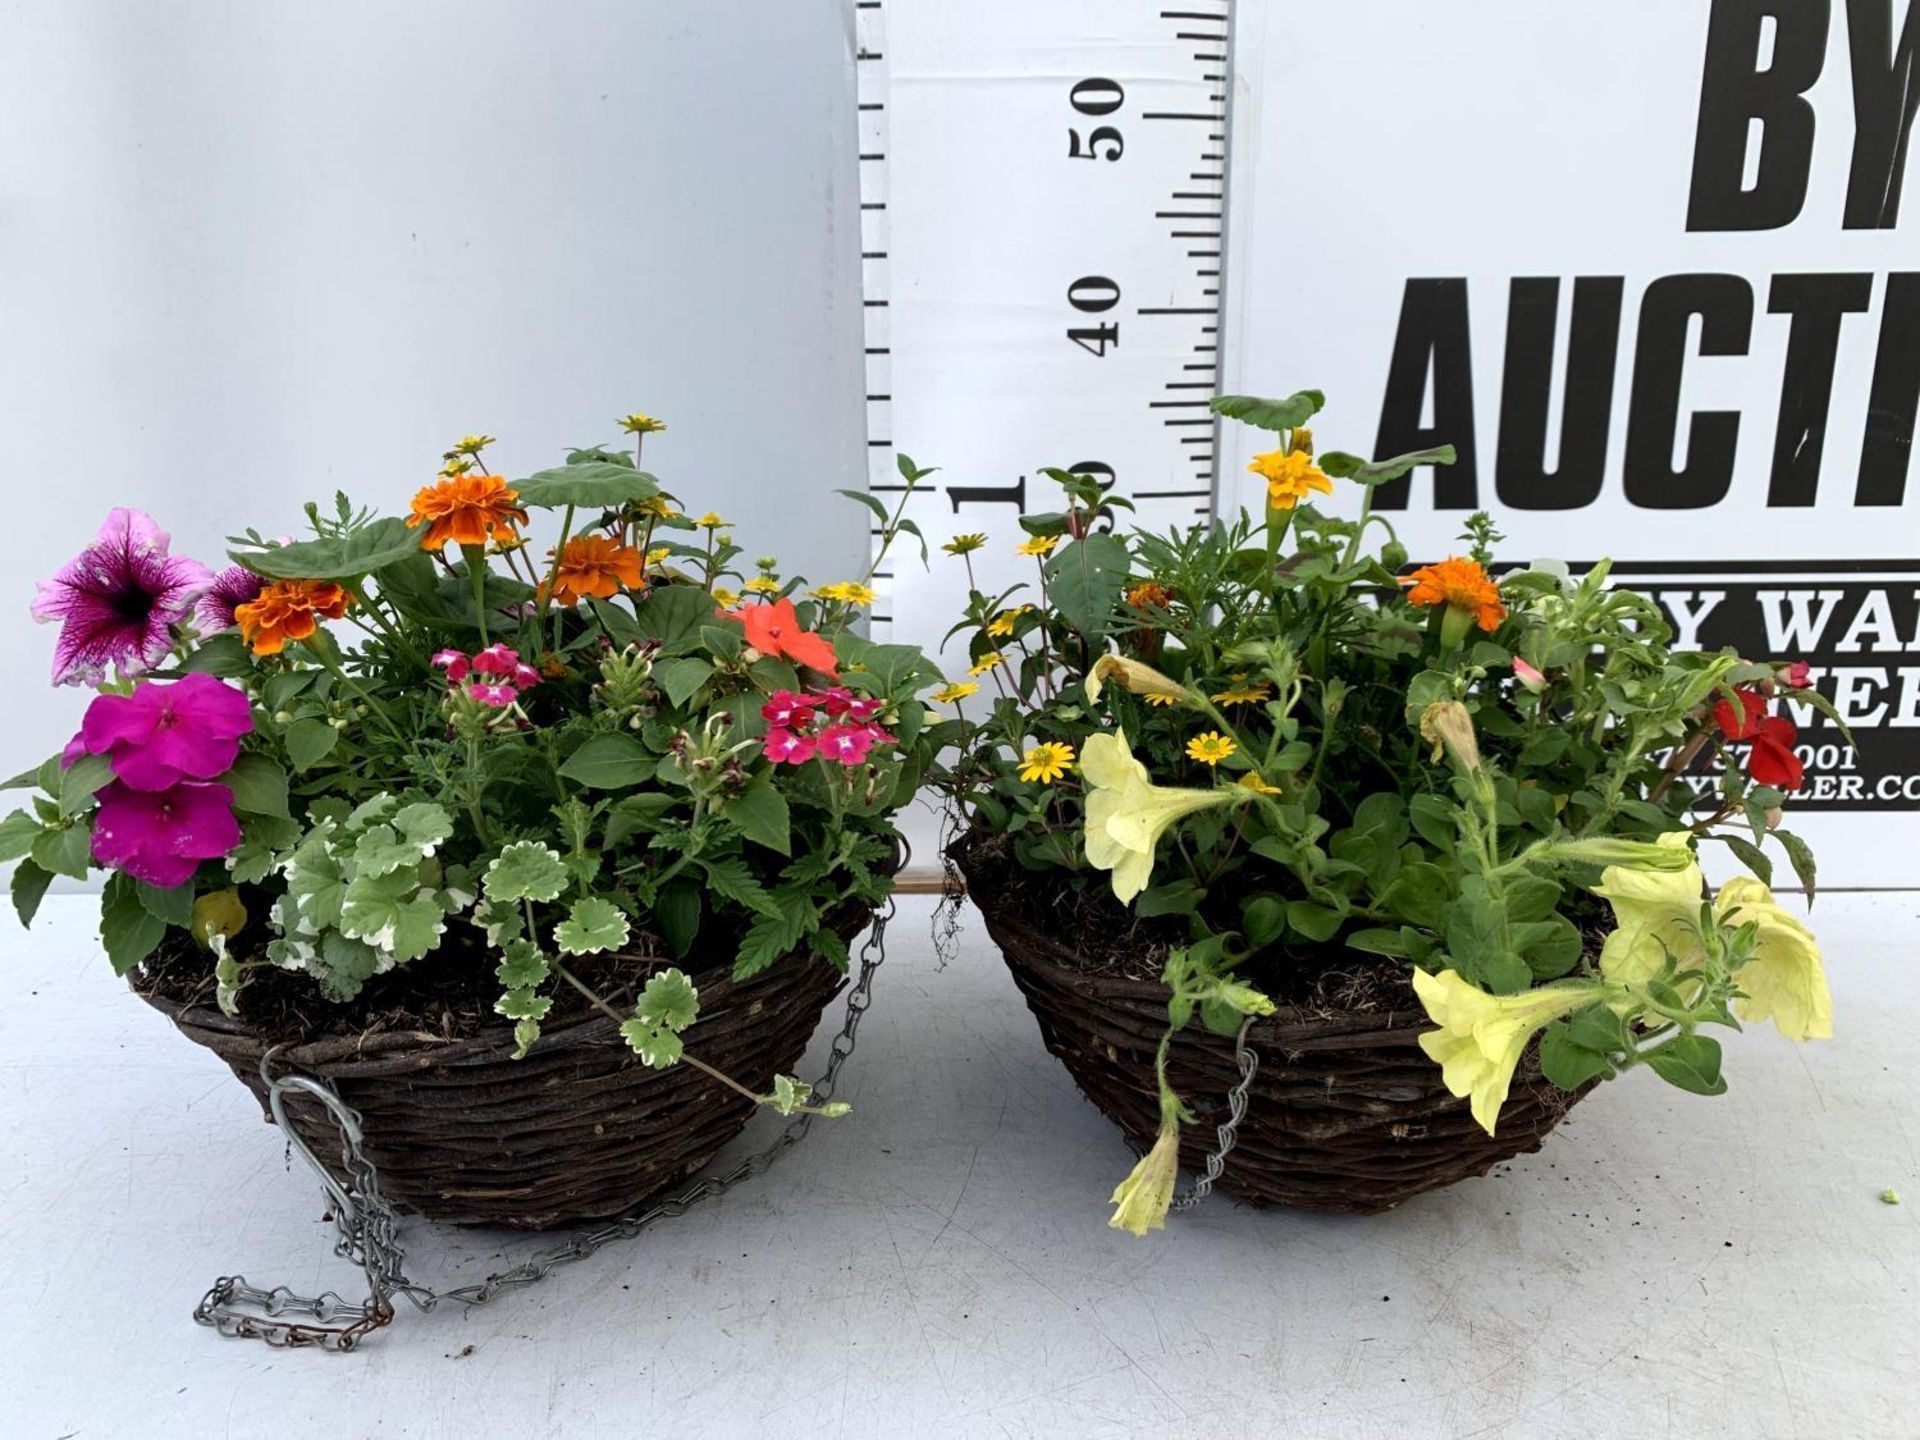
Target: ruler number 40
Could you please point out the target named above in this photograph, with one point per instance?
(1095, 294)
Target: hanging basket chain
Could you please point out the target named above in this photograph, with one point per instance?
(368, 1225)
(1227, 1132)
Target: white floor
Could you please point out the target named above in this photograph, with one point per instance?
(938, 1263)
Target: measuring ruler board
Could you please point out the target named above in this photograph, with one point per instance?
(1043, 205)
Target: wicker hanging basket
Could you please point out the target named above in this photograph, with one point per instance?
(578, 1130)
(1347, 1114)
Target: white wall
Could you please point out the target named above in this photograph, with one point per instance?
(252, 253)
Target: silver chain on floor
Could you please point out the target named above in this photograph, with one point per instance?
(1227, 1132)
(367, 1223)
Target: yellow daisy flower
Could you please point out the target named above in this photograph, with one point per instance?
(1238, 692)
(763, 585)
(1003, 623)
(964, 544)
(949, 694)
(711, 521)
(1254, 783)
(852, 592)
(658, 506)
(1163, 701)
(986, 662)
(1046, 763)
(1038, 545)
(638, 424)
(1210, 748)
(472, 444)
(724, 597)
(658, 554)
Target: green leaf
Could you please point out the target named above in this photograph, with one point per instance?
(789, 1094)
(66, 850)
(893, 671)
(521, 966)
(770, 937)
(1433, 820)
(1691, 1062)
(523, 1005)
(593, 485)
(729, 876)
(613, 761)
(81, 782)
(129, 931)
(1316, 922)
(673, 616)
(171, 905)
(677, 912)
(1377, 940)
(1084, 580)
(762, 814)
(1801, 857)
(1599, 1027)
(308, 742)
(1751, 856)
(881, 513)
(524, 1034)
(1419, 894)
(669, 999)
(416, 832)
(1263, 919)
(682, 676)
(1177, 897)
(29, 886)
(358, 553)
(1343, 466)
(17, 834)
(392, 913)
(1566, 1064)
(592, 925)
(259, 786)
(656, 1047)
(525, 870)
(1288, 414)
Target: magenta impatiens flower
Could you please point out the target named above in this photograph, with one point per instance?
(162, 734)
(231, 588)
(118, 600)
(161, 836)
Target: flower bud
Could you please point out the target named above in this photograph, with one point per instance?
(1528, 676)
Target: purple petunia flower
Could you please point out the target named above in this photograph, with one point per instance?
(118, 600)
(231, 588)
(163, 734)
(161, 836)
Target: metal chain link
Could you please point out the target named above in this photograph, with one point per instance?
(1227, 1132)
(367, 1223)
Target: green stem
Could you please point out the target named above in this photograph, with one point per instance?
(476, 558)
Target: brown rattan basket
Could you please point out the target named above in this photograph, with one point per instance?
(579, 1130)
(1346, 1115)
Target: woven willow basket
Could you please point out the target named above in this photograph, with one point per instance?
(579, 1130)
(1347, 1114)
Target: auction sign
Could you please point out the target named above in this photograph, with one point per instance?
(1652, 267)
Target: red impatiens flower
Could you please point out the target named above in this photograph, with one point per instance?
(1770, 758)
(775, 630)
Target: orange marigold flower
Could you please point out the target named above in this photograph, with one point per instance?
(288, 610)
(468, 510)
(1148, 594)
(1462, 585)
(596, 565)
(1291, 477)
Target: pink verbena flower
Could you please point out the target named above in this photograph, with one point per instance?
(497, 696)
(785, 746)
(862, 708)
(118, 600)
(849, 744)
(161, 836)
(835, 701)
(160, 735)
(497, 659)
(788, 710)
(231, 588)
(454, 663)
(525, 676)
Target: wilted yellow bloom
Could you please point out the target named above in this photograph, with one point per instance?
(1259, 787)
(1038, 545)
(1126, 813)
(1141, 1200)
(638, 424)
(989, 661)
(658, 506)
(964, 544)
(1140, 679)
(948, 694)
(1046, 762)
(218, 912)
(1449, 725)
(1482, 1037)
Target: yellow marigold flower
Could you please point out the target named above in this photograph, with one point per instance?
(1046, 762)
(638, 424)
(472, 445)
(1210, 748)
(724, 597)
(850, 592)
(1038, 545)
(986, 662)
(1482, 1037)
(1126, 813)
(1259, 787)
(1142, 1199)
(949, 694)
(1003, 623)
(763, 585)
(1291, 477)
(1140, 679)
(964, 544)
(1238, 692)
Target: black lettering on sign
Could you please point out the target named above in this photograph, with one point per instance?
(1886, 97)
(1724, 304)
(1432, 343)
(1734, 92)
(1817, 303)
(1886, 454)
(1521, 478)
(1014, 495)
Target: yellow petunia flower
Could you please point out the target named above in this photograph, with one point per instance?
(1046, 762)
(1038, 545)
(1210, 748)
(991, 660)
(1002, 625)
(1291, 477)
(1142, 1199)
(1126, 813)
(1482, 1037)
(964, 544)
(850, 592)
(949, 694)
(1785, 980)
(763, 585)
(638, 424)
